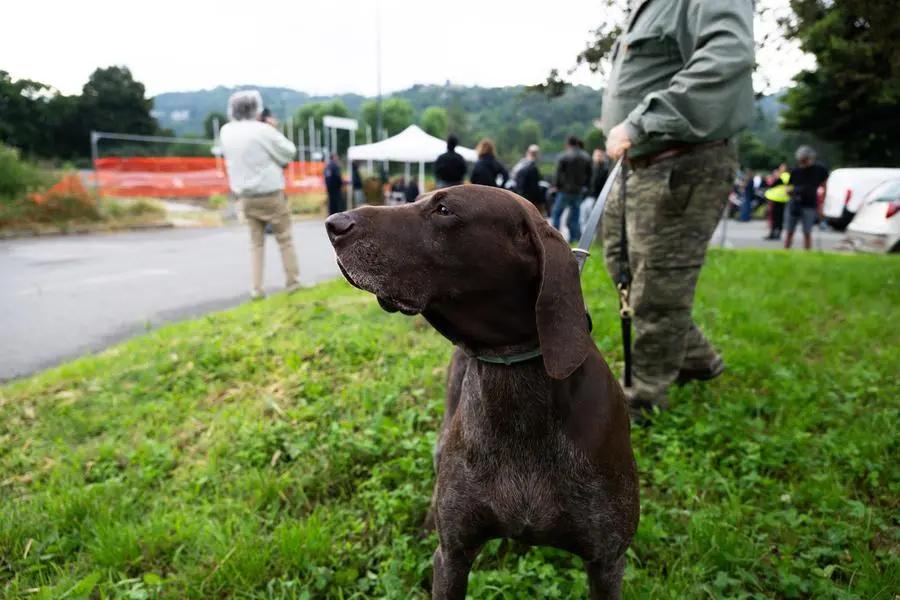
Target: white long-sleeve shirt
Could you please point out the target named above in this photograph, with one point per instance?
(255, 156)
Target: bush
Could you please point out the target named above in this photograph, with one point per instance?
(373, 191)
(67, 200)
(307, 204)
(136, 207)
(17, 177)
(218, 201)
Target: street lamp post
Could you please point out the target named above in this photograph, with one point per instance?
(378, 66)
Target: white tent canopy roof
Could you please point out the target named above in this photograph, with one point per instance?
(411, 145)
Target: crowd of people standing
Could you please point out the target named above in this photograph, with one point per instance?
(575, 185)
(792, 195)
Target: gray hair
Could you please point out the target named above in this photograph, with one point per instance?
(245, 105)
(805, 153)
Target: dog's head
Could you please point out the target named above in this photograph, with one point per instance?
(480, 263)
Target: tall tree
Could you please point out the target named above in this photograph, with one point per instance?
(851, 96)
(22, 112)
(457, 120)
(434, 121)
(396, 115)
(209, 123)
(594, 139)
(529, 133)
(113, 101)
(317, 111)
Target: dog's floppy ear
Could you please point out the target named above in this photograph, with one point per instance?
(561, 321)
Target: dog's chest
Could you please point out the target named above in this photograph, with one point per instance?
(518, 456)
(529, 489)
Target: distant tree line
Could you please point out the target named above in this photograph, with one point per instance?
(44, 123)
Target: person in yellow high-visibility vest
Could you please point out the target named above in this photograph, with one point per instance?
(778, 197)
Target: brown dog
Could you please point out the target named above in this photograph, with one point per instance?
(537, 450)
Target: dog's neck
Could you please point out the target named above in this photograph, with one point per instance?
(495, 323)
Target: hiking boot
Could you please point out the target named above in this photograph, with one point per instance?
(686, 375)
(641, 410)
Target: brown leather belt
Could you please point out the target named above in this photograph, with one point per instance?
(643, 162)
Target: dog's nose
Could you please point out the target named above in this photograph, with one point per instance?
(338, 224)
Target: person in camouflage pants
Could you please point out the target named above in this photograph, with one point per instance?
(680, 89)
(669, 222)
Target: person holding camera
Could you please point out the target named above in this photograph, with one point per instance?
(256, 154)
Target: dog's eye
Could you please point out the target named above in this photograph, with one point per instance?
(443, 210)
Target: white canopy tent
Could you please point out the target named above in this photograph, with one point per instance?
(412, 145)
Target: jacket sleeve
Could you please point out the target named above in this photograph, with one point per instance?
(700, 97)
(281, 149)
(502, 169)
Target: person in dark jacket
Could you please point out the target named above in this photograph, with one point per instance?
(599, 175)
(527, 178)
(358, 197)
(450, 167)
(487, 167)
(573, 174)
(411, 190)
(334, 184)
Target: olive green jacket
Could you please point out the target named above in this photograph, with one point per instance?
(681, 73)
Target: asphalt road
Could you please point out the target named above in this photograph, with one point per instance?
(750, 235)
(62, 297)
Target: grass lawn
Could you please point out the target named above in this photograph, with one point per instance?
(283, 450)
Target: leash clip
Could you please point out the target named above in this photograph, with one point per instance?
(624, 307)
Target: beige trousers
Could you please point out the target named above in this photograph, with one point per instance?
(259, 210)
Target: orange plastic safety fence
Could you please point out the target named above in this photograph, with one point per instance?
(182, 176)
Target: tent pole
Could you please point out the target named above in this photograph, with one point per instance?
(421, 177)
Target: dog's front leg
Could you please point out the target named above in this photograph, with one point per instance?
(451, 572)
(605, 579)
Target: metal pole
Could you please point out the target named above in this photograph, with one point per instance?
(350, 166)
(421, 177)
(219, 170)
(384, 137)
(301, 148)
(334, 146)
(369, 141)
(95, 156)
(312, 137)
(151, 138)
(293, 141)
(378, 122)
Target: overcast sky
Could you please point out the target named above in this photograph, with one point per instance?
(319, 47)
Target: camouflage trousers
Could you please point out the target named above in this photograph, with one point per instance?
(672, 209)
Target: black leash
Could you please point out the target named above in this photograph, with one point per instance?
(623, 281)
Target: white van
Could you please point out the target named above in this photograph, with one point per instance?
(845, 190)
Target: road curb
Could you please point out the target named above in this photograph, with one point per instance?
(12, 234)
